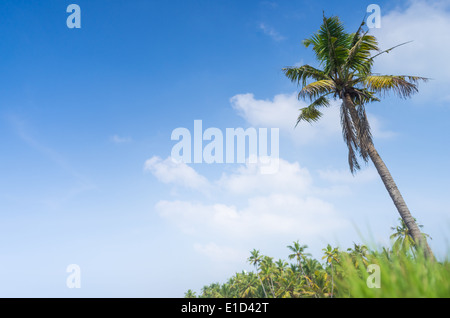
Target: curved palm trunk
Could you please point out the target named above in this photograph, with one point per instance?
(398, 200)
(392, 188)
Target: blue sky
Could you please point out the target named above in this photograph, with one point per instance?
(83, 110)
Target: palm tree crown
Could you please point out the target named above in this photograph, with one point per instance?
(346, 60)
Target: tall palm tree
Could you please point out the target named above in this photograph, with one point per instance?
(332, 257)
(267, 270)
(255, 259)
(346, 60)
(299, 253)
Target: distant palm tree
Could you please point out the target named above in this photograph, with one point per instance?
(358, 254)
(298, 253)
(226, 291)
(403, 240)
(268, 270)
(190, 294)
(255, 259)
(281, 266)
(249, 283)
(311, 266)
(346, 61)
(332, 256)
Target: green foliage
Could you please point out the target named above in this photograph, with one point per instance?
(356, 272)
(401, 275)
(344, 274)
(402, 239)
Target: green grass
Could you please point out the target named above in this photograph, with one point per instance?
(348, 274)
(401, 275)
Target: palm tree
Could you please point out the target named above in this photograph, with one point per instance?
(281, 266)
(226, 291)
(311, 266)
(299, 253)
(267, 270)
(403, 240)
(249, 283)
(358, 254)
(346, 60)
(190, 294)
(332, 256)
(256, 259)
(235, 284)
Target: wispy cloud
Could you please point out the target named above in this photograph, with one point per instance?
(170, 172)
(282, 112)
(120, 140)
(23, 131)
(270, 31)
(82, 183)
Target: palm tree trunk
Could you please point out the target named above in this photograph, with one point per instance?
(332, 280)
(265, 294)
(391, 187)
(398, 200)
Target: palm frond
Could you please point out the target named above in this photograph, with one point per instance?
(330, 44)
(311, 113)
(350, 138)
(389, 50)
(301, 74)
(337, 44)
(363, 132)
(316, 89)
(359, 55)
(362, 96)
(358, 32)
(401, 85)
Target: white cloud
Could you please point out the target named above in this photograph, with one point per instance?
(178, 173)
(281, 204)
(427, 24)
(268, 216)
(246, 180)
(268, 30)
(120, 140)
(220, 254)
(282, 112)
(290, 178)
